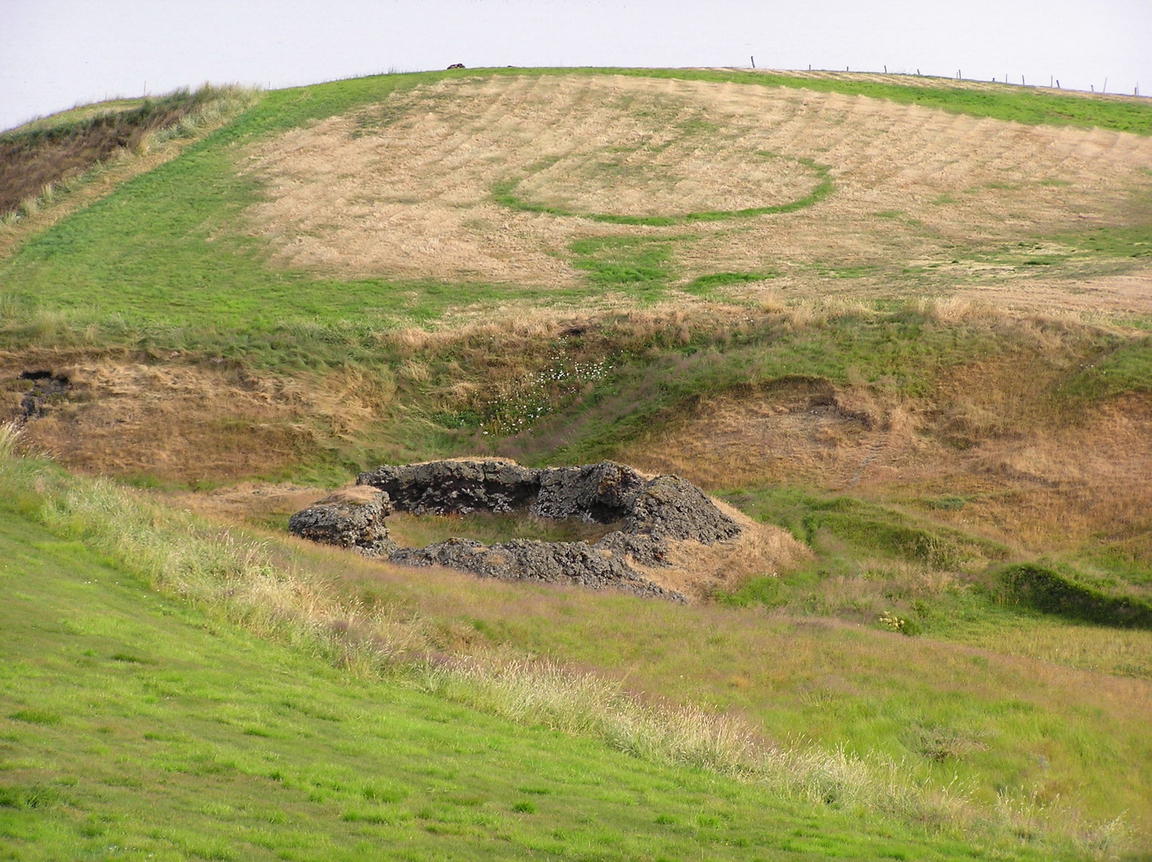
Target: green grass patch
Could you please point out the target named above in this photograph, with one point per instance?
(637, 266)
(1020, 105)
(164, 759)
(1128, 241)
(1121, 367)
(848, 270)
(898, 352)
(871, 529)
(851, 694)
(855, 538)
(504, 193)
(867, 562)
(705, 285)
(27, 797)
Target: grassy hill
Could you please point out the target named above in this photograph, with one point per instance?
(905, 320)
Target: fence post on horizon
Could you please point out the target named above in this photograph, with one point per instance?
(753, 59)
(1022, 84)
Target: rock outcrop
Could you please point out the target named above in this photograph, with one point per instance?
(352, 519)
(455, 487)
(590, 566)
(648, 513)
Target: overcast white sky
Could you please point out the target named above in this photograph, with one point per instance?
(57, 53)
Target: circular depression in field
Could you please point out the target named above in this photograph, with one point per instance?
(670, 181)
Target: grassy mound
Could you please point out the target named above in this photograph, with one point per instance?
(1056, 592)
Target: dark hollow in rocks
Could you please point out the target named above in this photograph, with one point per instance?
(46, 387)
(42, 374)
(652, 513)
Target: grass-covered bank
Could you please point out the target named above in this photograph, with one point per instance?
(375, 624)
(134, 725)
(36, 157)
(638, 325)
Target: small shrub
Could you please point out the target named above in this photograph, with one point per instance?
(947, 504)
(894, 623)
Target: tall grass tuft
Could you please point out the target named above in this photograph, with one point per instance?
(9, 439)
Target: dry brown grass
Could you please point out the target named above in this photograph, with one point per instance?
(188, 422)
(1032, 478)
(411, 195)
(700, 571)
(1098, 298)
(792, 429)
(250, 503)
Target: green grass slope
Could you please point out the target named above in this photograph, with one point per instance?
(1016, 754)
(132, 726)
(58, 151)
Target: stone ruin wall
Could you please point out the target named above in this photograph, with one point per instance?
(649, 514)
